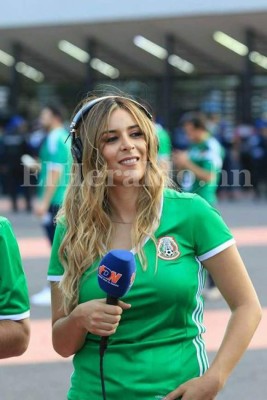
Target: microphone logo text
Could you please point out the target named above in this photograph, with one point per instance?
(108, 275)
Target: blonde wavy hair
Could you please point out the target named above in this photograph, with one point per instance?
(86, 209)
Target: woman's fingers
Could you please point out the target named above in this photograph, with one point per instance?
(123, 305)
(111, 319)
(103, 329)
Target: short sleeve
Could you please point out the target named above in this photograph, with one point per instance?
(56, 269)
(211, 235)
(14, 296)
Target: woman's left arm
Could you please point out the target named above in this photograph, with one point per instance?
(230, 276)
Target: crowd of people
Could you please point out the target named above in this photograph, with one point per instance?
(204, 155)
(244, 154)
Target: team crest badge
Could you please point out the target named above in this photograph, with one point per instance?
(167, 248)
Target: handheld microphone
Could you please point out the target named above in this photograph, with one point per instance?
(116, 274)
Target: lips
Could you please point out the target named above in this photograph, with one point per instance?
(129, 160)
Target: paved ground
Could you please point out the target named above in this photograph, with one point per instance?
(40, 374)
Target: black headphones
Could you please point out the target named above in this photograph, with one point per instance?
(76, 143)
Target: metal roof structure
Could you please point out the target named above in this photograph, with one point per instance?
(192, 40)
(31, 33)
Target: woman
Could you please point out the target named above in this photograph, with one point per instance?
(155, 347)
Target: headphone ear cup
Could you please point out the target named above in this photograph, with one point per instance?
(77, 150)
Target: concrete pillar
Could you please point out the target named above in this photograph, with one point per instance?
(15, 79)
(247, 78)
(168, 84)
(90, 75)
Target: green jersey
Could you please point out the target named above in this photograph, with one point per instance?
(208, 155)
(55, 154)
(14, 299)
(158, 344)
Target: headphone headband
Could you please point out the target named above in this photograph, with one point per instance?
(88, 106)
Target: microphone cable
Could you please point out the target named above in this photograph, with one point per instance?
(102, 348)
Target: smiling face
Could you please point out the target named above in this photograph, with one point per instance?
(124, 149)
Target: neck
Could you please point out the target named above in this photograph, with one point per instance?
(123, 204)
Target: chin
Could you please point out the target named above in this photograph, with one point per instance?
(130, 180)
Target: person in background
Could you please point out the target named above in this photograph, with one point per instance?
(242, 137)
(155, 349)
(14, 299)
(165, 148)
(200, 168)
(54, 157)
(2, 159)
(180, 143)
(258, 153)
(223, 132)
(15, 145)
(258, 144)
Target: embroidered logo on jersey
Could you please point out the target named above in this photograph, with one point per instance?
(167, 248)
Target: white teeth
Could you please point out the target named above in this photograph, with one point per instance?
(130, 161)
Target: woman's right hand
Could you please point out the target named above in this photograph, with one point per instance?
(99, 318)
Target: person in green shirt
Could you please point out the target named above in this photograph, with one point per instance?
(201, 164)
(54, 157)
(14, 299)
(200, 167)
(156, 349)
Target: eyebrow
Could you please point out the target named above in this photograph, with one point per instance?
(115, 130)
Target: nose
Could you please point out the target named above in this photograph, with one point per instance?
(127, 143)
